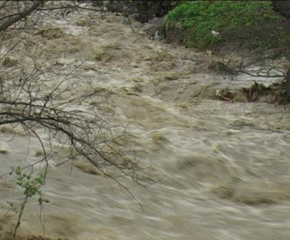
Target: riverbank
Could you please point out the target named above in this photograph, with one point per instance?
(250, 31)
(224, 27)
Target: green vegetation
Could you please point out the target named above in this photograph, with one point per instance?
(248, 23)
(31, 186)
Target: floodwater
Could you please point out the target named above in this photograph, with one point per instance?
(221, 168)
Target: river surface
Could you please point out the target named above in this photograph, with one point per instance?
(222, 168)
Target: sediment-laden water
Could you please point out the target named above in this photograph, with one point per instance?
(222, 168)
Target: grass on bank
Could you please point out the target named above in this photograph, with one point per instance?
(248, 24)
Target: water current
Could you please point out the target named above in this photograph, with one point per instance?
(223, 168)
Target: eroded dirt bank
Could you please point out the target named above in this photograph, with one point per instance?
(223, 167)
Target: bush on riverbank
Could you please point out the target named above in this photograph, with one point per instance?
(228, 24)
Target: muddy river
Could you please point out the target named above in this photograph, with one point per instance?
(222, 168)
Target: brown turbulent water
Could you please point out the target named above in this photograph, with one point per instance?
(223, 167)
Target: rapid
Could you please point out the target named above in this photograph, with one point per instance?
(222, 168)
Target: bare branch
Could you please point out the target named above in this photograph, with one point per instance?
(20, 15)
